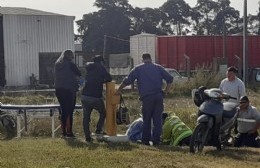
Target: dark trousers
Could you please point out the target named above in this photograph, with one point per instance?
(246, 139)
(185, 141)
(152, 108)
(67, 100)
(90, 103)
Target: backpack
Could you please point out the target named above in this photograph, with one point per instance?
(8, 125)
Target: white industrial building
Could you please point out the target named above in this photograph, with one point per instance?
(30, 42)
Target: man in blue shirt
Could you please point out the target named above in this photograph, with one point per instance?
(150, 78)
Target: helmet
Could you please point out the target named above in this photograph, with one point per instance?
(199, 96)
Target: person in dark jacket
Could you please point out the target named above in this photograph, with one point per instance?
(92, 95)
(66, 87)
(150, 78)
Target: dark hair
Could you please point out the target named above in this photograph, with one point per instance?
(232, 69)
(244, 98)
(164, 116)
(146, 56)
(98, 58)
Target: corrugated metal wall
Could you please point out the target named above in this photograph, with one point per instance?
(2, 58)
(203, 49)
(25, 36)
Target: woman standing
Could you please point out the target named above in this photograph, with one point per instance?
(66, 86)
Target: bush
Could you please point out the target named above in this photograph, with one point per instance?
(199, 78)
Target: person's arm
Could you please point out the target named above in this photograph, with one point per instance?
(119, 90)
(75, 69)
(256, 115)
(107, 76)
(168, 78)
(242, 90)
(257, 126)
(127, 80)
(167, 88)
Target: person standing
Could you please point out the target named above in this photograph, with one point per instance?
(248, 122)
(149, 78)
(66, 87)
(92, 95)
(232, 85)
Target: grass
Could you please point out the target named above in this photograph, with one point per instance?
(37, 149)
(47, 152)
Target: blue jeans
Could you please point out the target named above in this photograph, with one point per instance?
(90, 103)
(152, 109)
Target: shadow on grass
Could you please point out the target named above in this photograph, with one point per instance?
(79, 143)
(236, 153)
(121, 146)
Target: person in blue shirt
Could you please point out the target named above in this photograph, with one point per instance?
(150, 78)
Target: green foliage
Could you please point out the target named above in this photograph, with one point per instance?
(200, 78)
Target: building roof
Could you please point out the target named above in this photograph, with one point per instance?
(23, 11)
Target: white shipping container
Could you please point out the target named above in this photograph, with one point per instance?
(143, 43)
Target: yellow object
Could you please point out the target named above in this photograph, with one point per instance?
(112, 100)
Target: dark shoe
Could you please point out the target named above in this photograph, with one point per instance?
(70, 135)
(100, 132)
(63, 135)
(143, 142)
(156, 143)
(89, 140)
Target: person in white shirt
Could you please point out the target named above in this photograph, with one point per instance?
(232, 85)
(248, 122)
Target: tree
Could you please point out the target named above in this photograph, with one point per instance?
(112, 20)
(207, 9)
(226, 18)
(178, 12)
(148, 20)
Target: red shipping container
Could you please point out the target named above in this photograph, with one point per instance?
(202, 49)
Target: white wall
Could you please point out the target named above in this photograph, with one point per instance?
(25, 36)
(143, 43)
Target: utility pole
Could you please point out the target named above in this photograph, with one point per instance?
(245, 47)
(104, 47)
(258, 17)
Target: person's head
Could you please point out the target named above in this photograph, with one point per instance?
(164, 116)
(66, 55)
(231, 73)
(243, 102)
(146, 57)
(98, 58)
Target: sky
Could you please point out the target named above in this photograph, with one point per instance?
(79, 7)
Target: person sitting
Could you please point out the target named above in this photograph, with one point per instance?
(248, 122)
(135, 129)
(174, 132)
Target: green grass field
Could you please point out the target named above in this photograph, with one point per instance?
(59, 153)
(36, 148)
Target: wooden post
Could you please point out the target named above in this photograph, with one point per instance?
(112, 100)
